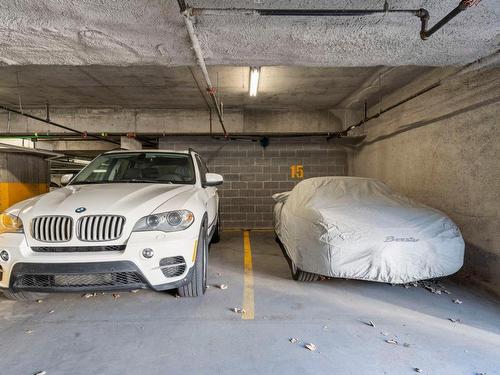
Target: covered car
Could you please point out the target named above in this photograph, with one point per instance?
(358, 228)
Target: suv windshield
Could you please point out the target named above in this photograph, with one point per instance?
(157, 167)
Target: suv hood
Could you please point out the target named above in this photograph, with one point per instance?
(127, 199)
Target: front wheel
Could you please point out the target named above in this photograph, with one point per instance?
(23, 296)
(299, 275)
(216, 235)
(198, 284)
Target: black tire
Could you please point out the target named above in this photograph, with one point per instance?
(23, 296)
(216, 235)
(299, 275)
(197, 286)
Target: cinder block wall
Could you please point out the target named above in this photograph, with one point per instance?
(252, 174)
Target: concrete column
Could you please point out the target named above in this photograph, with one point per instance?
(130, 143)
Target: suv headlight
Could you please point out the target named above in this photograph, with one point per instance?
(171, 221)
(10, 224)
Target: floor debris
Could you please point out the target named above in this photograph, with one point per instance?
(89, 295)
(238, 310)
(406, 345)
(293, 340)
(417, 369)
(134, 291)
(391, 341)
(310, 346)
(433, 287)
(28, 331)
(51, 312)
(222, 286)
(116, 296)
(370, 323)
(457, 301)
(453, 320)
(40, 373)
(39, 300)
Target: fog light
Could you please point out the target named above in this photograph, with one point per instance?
(4, 254)
(147, 253)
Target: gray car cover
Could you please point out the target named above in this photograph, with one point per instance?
(358, 228)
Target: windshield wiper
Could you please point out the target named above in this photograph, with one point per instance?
(122, 182)
(89, 182)
(139, 180)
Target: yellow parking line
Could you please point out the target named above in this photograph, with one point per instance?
(248, 298)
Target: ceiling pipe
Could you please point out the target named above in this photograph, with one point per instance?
(299, 12)
(195, 43)
(47, 121)
(204, 99)
(424, 17)
(345, 132)
(421, 13)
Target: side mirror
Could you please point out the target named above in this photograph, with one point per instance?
(65, 179)
(213, 179)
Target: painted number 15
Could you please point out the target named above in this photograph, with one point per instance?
(297, 171)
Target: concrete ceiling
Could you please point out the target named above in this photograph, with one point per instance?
(143, 32)
(160, 87)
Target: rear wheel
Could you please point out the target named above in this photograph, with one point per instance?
(198, 284)
(23, 296)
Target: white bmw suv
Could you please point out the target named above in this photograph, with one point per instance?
(129, 220)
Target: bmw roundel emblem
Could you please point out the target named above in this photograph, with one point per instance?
(79, 210)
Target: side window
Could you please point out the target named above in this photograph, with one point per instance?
(203, 169)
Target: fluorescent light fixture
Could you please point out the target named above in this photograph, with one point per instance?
(254, 80)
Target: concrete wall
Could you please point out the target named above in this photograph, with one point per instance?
(21, 176)
(252, 174)
(443, 149)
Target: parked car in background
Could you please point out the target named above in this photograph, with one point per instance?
(359, 228)
(128, 220)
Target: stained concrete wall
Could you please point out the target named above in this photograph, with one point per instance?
(172, 121)
(443, 149)
(21, 176)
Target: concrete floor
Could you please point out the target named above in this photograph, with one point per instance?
(155, 333)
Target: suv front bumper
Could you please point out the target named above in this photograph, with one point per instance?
(82, 277)
(98, 271)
